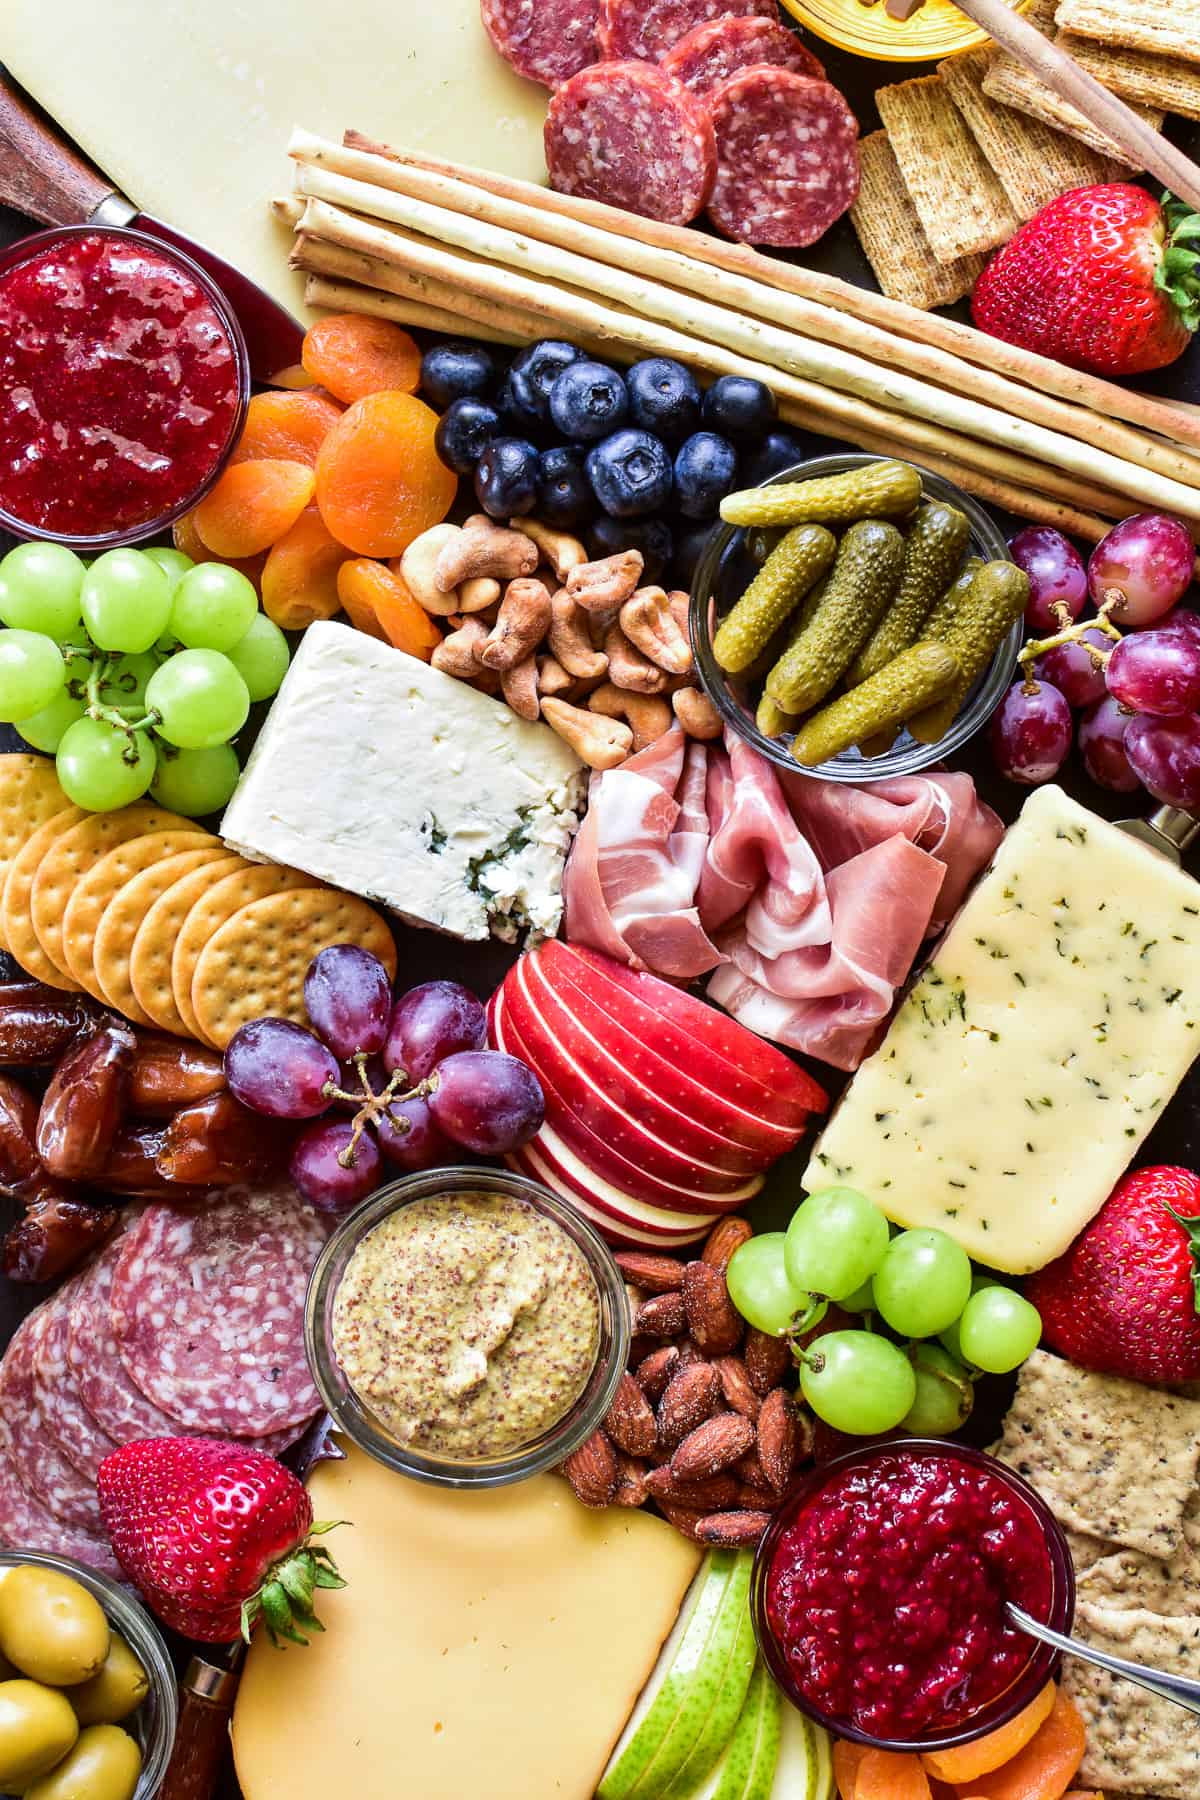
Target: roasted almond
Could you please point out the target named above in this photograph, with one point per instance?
(690, 1353)
(712, 1318)
(682, 1518)
(713, 1446)
(592, 1471)
(662, 1317)
(631, 1482)
(735, 1386)
(725, 1237)
(713, 1495)
(657, 1274)
(777, 1437)
(654, 1371)
(767, 1360)
(693, 1395)
(630, 1422)
(756, 1499)
(730, 1530)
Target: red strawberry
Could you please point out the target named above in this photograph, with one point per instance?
(1100, 279)
(214, 1534)
(1123, 1299)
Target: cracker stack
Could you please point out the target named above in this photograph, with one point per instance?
(1012, 83)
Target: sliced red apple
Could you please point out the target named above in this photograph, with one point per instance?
(622, 1236)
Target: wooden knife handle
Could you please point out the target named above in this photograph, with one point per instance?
(206, 1696)
(40, 174)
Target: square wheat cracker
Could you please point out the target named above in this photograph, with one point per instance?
(959, 200)
(1139, 74)
(893, 240)
(1169, 29)
(1010, 82)
(1136, 1743)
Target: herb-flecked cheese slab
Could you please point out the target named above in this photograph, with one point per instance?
(1036, 1050)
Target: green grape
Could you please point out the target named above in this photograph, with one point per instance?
(125, 684)
(44, 729)
(32, 673)
(944, 1393)
(862, 1300)
(261, 657)
(200, 699)
(857, 1382)
(213, 607)
(196, 782)
(94, 767)
(949, 1338)
(835, 1242)
(923, 1283)
(39, 589)
(173, 563)
(126, 600)
(999, 1329)
(759, 1286)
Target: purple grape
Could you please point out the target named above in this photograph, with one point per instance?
(349, 1082)
(422, 1146)
(1071, 670)
(486, 1101)
(1180, 618)
(321, 1178)
(1101, 741)
(1056, 575)
(431, 1022)
(349, 999)
(1156, 672)
(280, 1069)
(1165, 753)
(1031, 733)
(1148, 560)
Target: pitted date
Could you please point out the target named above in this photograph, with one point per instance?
(132, 1166)
(219, 1141)
(57, 1232)
(169, 1073)
(86, 1102)
(37, 1023)
(20, 1165)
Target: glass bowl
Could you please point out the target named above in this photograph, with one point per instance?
(29, 247)
(1043, 1658)
(361, 1424)
(153, 1724)
(724, 570)
(939, 29)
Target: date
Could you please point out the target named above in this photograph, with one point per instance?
(169, 1073)
(37, 1023)
(219, 1141)
(20, 1164)
(133, 1170)
(86, 1102)
(57, 1232)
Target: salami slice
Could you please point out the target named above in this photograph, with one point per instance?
(787, 157)
(207, 1310)
(629, 135)
(712, 53)
(647, 29)
(545, 40)
(56, 1389)
(24, 1433)
(25, 1524)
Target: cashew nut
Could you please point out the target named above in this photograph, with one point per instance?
(418, 570)
(484, 548)
(570, 640)
(599, 586)
(696, 713)
(519, 685)
(521, 624)
(456, 654)
(681, 610)
(648, 717)
(478, 593)
(649, 623)
(628, 668)
(553, 679)
(558, 548)
(599, 742)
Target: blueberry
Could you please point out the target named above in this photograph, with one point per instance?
(534, 372)
(630, 473)
(689, 547)
(514, 417)
(506, 478)
(453, 370)
(664, 397)
(740, 408)
(607, 537)
(464, 431)
(588, 401)
(564, 497)
(705, 471)
(779, 450)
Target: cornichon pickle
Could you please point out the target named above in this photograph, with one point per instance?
(778, 588)
(947, 609)
(933, 548)
(999, 594)
(882, 490)
(865, 576)
(917, 676)
(771, 720)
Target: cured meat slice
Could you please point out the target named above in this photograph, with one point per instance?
(545, 40)
(56, 1389)
(25, 1524)
(713, 52)
(647, 29)
(208, 1310)
(627, 134)
(24, 1433)
(787, 157)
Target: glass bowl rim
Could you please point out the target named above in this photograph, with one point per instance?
(22, 251)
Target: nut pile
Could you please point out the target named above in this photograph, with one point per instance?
(606, 663)
(702, 1423)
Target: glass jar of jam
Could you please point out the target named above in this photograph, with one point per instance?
(124, 382)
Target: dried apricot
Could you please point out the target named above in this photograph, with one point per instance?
(1044, 1769)
(300, 580)
(186, 538)
(252, 505)
(291, 427)
(378, 601)
(997, 1748)
(353, 356)
(380, 481)
(847, 1761)
(884, 1775)
(295, 377)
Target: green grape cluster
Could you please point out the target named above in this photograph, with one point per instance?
(134, 673)
(915, 1286)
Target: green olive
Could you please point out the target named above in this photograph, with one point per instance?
(104, 1765)
(51, 1627)
(37, 1728)
(115, 1692)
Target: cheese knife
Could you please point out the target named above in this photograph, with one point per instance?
(42, 176)
(1169, 830)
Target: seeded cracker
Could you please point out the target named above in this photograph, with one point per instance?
(1159, 81)
(1012, 83)
(959, 200)
(1127, 1579)
(893, 239)
(1168, 27)
(1112, 1458)
(1136, 1743)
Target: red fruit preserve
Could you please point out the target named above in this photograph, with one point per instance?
(121, 385)
(885, 1592)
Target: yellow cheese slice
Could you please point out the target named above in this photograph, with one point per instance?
(487, 1643)
(188, 104)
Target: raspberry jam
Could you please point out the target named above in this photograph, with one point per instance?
(885, 1592)
(120, 385)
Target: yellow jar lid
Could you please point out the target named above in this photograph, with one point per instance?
(938, 29)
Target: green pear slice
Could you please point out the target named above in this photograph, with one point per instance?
(826, 1783)
(714, 1694)
(800, 1773)
(746, 1771)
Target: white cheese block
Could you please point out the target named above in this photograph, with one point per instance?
(1037, 1049)
(386, 777)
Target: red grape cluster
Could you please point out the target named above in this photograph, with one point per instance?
(1138, 693)
(412, 1079)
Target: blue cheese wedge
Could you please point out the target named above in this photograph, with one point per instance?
(1037, 1048)
(384, 776)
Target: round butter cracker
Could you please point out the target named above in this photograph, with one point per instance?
(29, 795)
(15, 910)
(94, 891)
(253, 881)
(135, 875)
(154, 942)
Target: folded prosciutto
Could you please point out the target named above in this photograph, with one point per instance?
(808, 900)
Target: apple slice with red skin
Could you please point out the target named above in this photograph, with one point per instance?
(622, 1237)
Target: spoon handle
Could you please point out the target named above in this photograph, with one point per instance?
(1176, 1688)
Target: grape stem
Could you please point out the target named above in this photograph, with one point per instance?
(1070, 632)
(372, 1106)
(100, 669)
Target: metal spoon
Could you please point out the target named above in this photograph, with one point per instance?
(1176, 1688)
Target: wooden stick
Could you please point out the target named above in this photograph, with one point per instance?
(1040, 372)
(823, 324)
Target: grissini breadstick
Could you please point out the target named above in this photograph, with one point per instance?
(314, 256)
(347, 296)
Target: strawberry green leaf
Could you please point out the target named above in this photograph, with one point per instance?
(1191, 1225)
(1177, 273)
(284, 1602)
